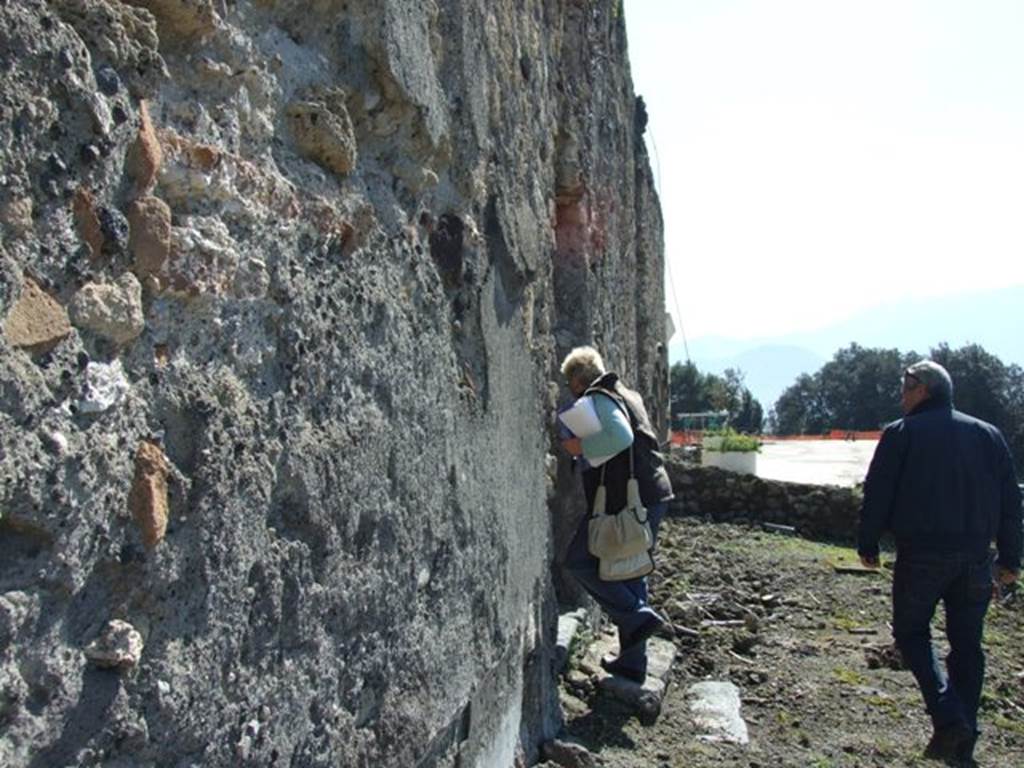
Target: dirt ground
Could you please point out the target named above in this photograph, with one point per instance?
(820, 683)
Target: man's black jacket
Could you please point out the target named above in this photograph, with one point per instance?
(942, 481)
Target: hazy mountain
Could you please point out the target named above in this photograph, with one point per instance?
(994, 319)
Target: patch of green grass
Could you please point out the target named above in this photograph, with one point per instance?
(996, 705)
(782, 717)
(849, 676)
(578, 645)
(734, 441)
(738, 546)
(796, 546)
(844, 622)
(786, 549)
(1006, 724)
(886, 704)
(886, 748)
(995, 637)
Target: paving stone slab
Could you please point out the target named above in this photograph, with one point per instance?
(646, 697)
(715, 706)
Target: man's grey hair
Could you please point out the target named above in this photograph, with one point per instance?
(935, 378)
(583, 363)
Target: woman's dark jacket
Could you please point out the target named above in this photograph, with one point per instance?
(942, 481)
(649, 465)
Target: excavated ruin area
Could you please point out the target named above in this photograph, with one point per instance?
(805, 638)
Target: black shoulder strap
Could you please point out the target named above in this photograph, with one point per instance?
(616, 398)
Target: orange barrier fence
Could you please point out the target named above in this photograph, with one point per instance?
(853, 434)
(695, 436)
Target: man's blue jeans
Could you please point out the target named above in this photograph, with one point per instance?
(625, 602)
(964, 584)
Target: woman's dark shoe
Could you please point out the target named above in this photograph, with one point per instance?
(615, 667)
(651, 626)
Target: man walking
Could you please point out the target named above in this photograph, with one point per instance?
(943, 483)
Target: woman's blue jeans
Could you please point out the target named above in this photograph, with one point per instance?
(625, 602)
(964, 585)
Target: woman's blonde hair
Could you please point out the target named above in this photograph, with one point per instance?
(583, 364)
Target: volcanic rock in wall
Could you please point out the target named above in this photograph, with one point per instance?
(284, 289)
(36, 320)
(148, 496)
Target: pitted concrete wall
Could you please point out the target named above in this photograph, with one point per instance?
(285, 286)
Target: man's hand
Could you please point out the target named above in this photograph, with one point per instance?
(1005, 576)
(870, 562)
(573, 446)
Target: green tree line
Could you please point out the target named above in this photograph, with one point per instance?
(859, 389)
(691, 391)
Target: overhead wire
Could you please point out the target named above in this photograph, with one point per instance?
(668, 262)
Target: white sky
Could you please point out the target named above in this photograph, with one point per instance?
(818, 157)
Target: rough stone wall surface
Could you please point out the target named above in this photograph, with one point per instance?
(819, 511)
(284, 288)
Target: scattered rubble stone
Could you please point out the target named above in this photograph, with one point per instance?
(885, 656)
(119, 646)
(567, 754)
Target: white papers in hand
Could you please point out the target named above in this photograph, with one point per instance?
(597, 461)
(581, 418)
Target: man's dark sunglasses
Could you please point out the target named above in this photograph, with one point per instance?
(907, 376)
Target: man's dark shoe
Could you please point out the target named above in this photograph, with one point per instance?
(614, 667)
(965, 753)
(949, 743)
(652, 625)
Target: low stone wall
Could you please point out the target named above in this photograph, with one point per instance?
(817, 511)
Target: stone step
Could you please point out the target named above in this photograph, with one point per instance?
(647, 698)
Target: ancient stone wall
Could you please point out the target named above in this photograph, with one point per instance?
(284, 288)
(817, 511)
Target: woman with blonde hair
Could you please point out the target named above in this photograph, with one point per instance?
(624, 425)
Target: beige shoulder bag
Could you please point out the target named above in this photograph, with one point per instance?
(622, 540)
